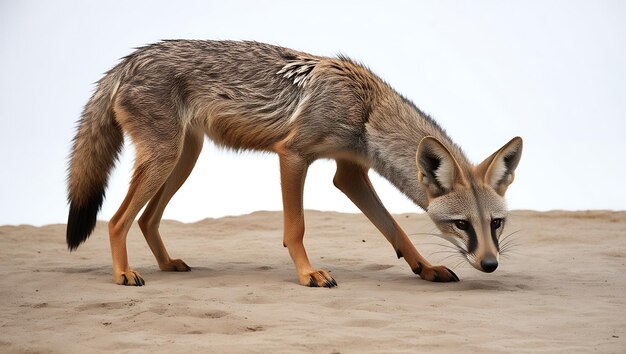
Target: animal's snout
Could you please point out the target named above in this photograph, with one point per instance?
(488, 265)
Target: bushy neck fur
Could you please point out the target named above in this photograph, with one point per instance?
(395, 129)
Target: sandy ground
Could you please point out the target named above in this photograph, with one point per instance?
(562, 291)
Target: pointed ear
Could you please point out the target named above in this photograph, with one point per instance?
(438, 171)
(498, 170)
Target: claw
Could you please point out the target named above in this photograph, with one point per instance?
(438, 274)
(454, 276)
(131, 278)
(319, 278)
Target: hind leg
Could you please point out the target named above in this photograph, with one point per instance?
(151, 217)
(158, 142)
(151, 171)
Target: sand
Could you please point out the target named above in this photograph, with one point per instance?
(562, 291)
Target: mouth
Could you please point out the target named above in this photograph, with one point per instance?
(486, 265)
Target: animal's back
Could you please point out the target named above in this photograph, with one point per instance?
(234, 90)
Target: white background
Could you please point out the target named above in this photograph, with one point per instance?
(553, 72)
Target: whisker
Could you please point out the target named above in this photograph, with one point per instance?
(450, 256)
(443, 251)
(454, 245)
(454, 241)
(509, 252)
(510, 238)
(510, 246)
(423, 233)
(435, 243)
(459, 264)
(471, 258)
(509, 256)
(504, 238)
(450, 253)
(510, 243)
(445, 260)
(450, 247)
(454, 260)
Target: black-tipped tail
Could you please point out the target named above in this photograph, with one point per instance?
(82, 220)
(97, 144)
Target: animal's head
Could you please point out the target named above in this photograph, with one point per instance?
(467, 202)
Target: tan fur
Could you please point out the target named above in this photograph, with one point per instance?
(245, 95)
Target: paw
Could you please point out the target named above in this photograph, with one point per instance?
(130, 277)
(438, 274)
(317, 279)
(175, 265)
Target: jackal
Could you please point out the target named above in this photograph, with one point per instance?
(252, 96)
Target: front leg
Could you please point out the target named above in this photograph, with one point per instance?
(352, 180)
(293, 170)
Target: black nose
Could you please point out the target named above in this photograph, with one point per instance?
(489, 265)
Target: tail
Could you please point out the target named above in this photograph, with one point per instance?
(96, 147)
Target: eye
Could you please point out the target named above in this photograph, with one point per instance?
(461, 224)
(496, 223)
